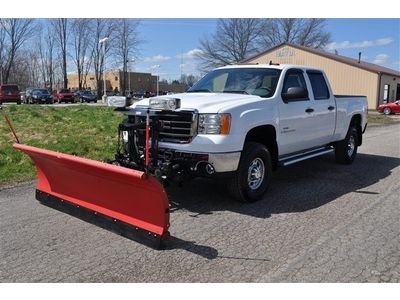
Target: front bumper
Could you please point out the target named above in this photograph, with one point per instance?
(224, 162)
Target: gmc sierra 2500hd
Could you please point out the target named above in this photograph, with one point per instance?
(244, 121)
(238, 123)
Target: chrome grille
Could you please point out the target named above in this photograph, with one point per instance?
(175, 126)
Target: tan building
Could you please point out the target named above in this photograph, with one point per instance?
(347, 76)
(136, 82)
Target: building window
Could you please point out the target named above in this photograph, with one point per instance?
(139, 79)
(386, 89)
(116, 78)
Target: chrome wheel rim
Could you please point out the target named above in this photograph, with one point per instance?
(386, 111)
(351, 145)
(256, 173)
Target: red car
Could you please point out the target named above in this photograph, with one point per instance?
(63, 95)
(9, 93)
(390, 107)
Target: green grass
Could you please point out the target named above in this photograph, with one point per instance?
(87, 131)
(379, 119)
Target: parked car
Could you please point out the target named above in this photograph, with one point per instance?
(40, 96)
(9, 93)
(390, 108)
(64, 95)
(85, 96)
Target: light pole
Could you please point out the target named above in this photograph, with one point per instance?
(129, 72)
(157, 67)
(103, 41)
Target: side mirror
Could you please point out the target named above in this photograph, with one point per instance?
(295, 93)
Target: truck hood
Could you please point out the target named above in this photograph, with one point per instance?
(206, 102)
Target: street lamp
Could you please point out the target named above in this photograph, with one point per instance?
(157, 67)
(129, 72)
(103, 41)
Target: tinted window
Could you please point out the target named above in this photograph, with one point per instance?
(294, 78)
(63, 91)
(318, 84)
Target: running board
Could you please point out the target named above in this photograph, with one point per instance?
(286, 161)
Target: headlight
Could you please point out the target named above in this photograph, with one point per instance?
(165, 103)
(214, 123)
(35, 96)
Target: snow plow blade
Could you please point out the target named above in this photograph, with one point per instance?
(119, 199)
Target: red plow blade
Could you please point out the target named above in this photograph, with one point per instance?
(122, 200)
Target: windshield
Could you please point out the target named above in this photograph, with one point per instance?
(87, 93)
(253, 81)
(41, 91)
(9, 88)
(64, 91)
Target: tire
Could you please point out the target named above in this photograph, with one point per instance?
(346, 150)
(19, 102)
(81, 100)
(387, 111)
(255, 160)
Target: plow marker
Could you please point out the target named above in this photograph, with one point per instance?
(123, 200)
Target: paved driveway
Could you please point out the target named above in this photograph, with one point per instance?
(319, 222)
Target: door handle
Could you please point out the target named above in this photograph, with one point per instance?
(309, 110)
(331, 107)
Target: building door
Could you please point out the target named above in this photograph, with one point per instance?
(398, 92)
(386, 91)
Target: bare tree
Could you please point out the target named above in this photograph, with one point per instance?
(237, 39)
(126, 44)
(304, 32)
(45, 50)
(189, 80)
(102, 28)
(234, 40)
(61, 30)
(80, 43)
(16, 32)
(2, 51)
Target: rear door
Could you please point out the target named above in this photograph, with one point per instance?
(296, 128)
(324, 114)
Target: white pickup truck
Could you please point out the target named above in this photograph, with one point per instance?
(240, 123)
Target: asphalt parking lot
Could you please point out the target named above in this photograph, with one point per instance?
(319, 222)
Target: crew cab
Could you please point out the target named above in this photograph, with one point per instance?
(64, 95)
(240, 123)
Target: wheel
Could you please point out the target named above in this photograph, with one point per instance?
(387, 111)
(95, 101)
(19, 102)
(252, 178)
(346, 150)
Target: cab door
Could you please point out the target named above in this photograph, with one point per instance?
(324, 114)
(296, 126)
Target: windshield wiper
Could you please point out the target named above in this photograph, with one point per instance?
(199, 91)
(236, 92)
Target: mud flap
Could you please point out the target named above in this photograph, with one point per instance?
(120, 199)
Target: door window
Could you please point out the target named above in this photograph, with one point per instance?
(318, 84)
(294, 78)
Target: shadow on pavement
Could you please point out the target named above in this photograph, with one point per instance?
(297, 188)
